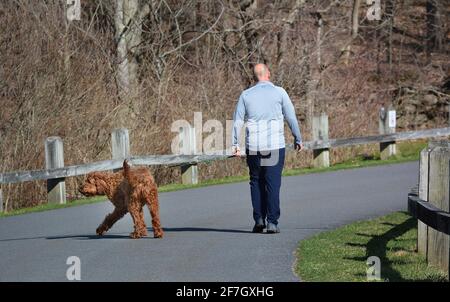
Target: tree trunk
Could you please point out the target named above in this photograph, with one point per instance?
(355, 28)
(128, 27)
(317, 71)
(133, 38)
(311, 91)
(287, 26)
(390, 12)
(435, 28)
(122, 78)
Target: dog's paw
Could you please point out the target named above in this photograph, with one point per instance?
(137, 235)
(158, 234)
(100, 230)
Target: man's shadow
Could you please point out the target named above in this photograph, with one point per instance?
(193, 229)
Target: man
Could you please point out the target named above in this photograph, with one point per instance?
(264, 107)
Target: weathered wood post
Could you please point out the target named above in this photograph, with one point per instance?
(320, 132)
(422, 228)
(120, 144)
(54, 158)
(435, 181)
(189, 173)
(387, 124)
(438, 195)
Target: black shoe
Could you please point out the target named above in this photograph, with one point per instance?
(259, 226)
(272, 228)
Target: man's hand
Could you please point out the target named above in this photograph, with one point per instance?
(298, 147)
(236, 151)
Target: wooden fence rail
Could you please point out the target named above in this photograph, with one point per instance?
(178, 160)
(428, 214)
(55, 172)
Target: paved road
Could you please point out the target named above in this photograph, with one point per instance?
(207, 231)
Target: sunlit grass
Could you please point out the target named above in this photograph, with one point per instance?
(341, 254)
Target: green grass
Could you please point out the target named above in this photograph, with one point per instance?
(341, 254)
(407, 151)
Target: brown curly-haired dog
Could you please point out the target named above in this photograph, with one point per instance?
(128, 190)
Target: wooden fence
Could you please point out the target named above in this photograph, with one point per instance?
(55, 172)
(430, 204)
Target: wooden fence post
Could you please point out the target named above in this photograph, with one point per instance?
(189, 173)
(438, 195)
(54, 158)
(120, 144)
(422, 228)
(387, 124)
(320, 132)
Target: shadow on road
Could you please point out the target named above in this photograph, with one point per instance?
(89, 237)
(191, 229)
(125, 236)
(81, 237)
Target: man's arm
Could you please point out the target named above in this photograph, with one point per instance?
(238, 122)
(289, 115)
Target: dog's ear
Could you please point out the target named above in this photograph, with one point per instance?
(101, 186)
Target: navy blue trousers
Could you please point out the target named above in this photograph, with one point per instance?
(265, 181)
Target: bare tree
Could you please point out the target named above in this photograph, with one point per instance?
(288, 25)
(128, 27)
(390, 17)
(435, 27)
(355, 28)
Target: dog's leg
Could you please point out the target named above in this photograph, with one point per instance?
(137, 214)
(143, 228)
(110, 219)
(153, 205)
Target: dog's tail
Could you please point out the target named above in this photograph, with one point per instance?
(126, 169)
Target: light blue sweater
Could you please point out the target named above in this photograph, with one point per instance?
(264, 107)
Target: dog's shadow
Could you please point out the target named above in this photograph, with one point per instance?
(126, 236)
(89, 237)
(150, 230)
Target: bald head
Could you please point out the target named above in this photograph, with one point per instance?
(261, 72)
